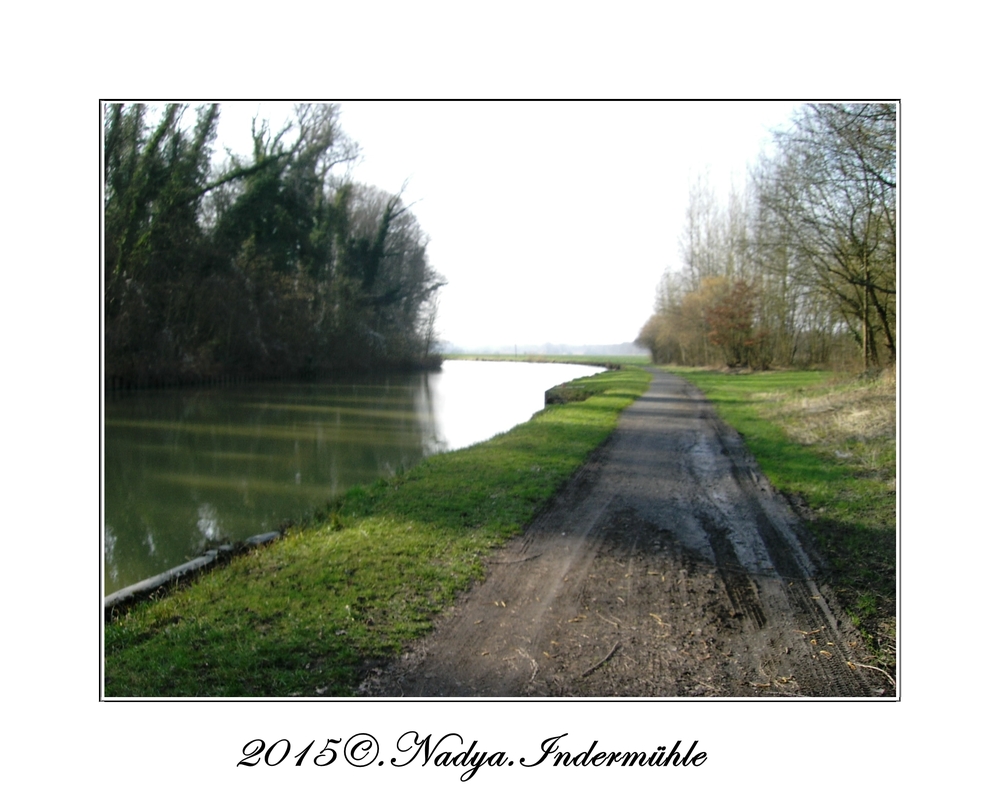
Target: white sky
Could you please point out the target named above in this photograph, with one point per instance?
(551, 221)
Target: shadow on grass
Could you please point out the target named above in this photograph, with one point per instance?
(851, 513)
(304, 615)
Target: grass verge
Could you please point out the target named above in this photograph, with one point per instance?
(828, 443)
(303, 616)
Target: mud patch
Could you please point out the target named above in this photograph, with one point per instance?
(631, 584)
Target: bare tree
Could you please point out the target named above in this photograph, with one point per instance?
(833, 188)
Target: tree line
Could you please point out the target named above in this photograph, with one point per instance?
(800, 267)
(270, 265)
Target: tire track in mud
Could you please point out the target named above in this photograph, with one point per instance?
(668, 566)
(740, 588)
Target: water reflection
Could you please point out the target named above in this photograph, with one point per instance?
(188, 469)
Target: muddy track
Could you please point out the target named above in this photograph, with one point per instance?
(668, 566)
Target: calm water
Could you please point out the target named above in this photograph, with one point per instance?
(188, 469)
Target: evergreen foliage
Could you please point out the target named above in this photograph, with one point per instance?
(271, 266)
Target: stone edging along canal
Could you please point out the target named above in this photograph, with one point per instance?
(143, 589)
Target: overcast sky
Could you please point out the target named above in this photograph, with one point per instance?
(551, 221)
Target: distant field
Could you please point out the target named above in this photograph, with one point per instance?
(561, 358)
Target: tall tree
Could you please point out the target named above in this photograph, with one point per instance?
(271, 265)
(833, 184)
(154, 183)
(800, 262)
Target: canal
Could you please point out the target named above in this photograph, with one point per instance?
(185, 470)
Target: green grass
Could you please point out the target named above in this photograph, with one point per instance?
(306, 614)
(829, 443)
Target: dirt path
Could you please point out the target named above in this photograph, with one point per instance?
(668, 566)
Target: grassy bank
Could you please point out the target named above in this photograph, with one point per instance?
(829, 443)
(306, 614)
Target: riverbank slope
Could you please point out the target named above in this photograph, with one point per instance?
(307, 614)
